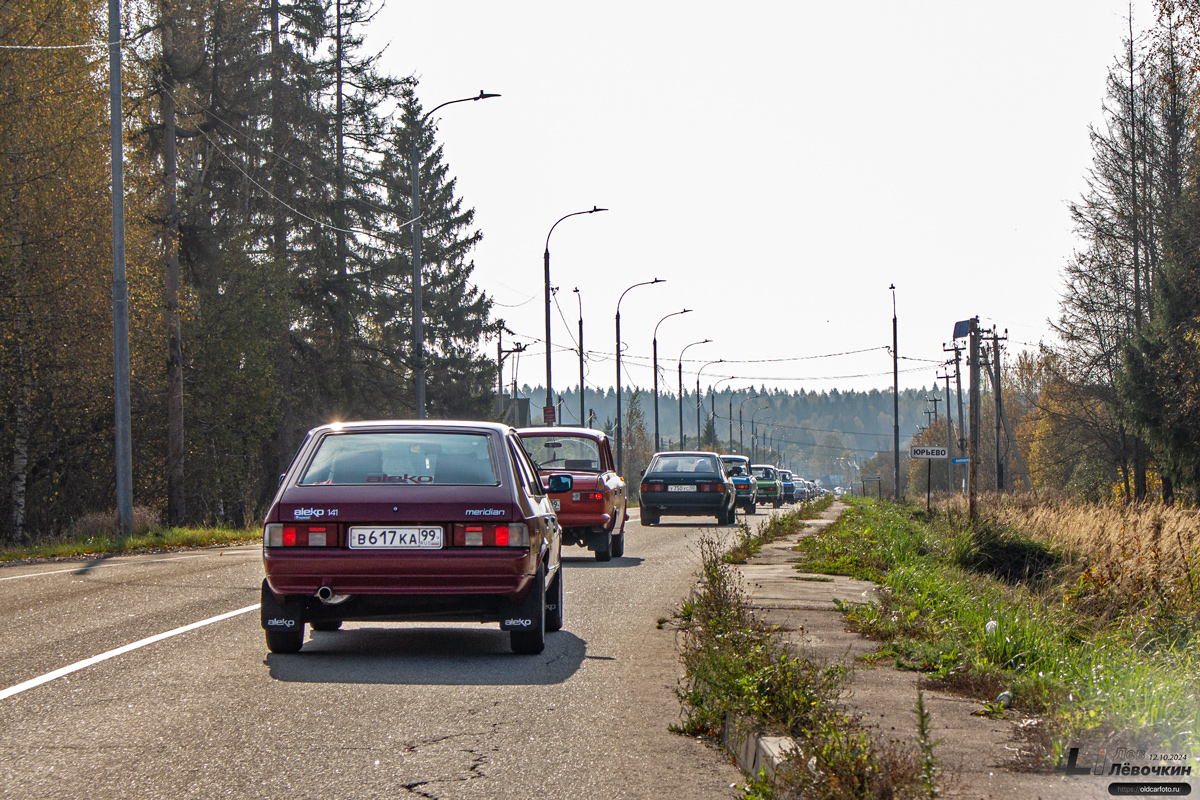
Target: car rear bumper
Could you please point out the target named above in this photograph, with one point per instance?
(444, 572)
(689, 504)
(570, 518)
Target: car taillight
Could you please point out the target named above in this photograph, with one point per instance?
(646, 487)
(500, 534)
(278, 534)
(587, 496)
(712, 487)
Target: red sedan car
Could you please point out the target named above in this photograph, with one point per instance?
(592, 512)
(412, 520)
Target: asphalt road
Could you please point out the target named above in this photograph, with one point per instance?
(372, 711)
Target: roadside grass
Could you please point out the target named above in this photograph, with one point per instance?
(738, 671)
(771, 529)
(95, 534)
(1098, 651)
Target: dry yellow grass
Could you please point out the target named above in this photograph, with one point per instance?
(1141, 538)
(1127, 561)
(104, 523)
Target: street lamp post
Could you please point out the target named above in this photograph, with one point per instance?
(754, 434)
(546, 264)
(699, 399)
(657, 438)
(741, 446)
(582, 418)
(712, 409)
(620, 441)
(682, 438)
(418, 312)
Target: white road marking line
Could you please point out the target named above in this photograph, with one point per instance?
(85, 568)
(87, 662)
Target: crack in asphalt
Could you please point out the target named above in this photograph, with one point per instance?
(474, 770)
(413, 747)
(413, 787)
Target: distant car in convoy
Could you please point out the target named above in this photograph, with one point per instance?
(689, 484)
(787, 486)
(413, 520)
(744, 482)
(592, 513)
(769, 489)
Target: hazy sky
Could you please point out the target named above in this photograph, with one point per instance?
(779, 164)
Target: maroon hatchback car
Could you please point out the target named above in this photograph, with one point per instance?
(412, 520)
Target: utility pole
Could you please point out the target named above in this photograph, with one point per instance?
(973, 363)
(962, 442)
(123, 451)
(502, 354)
(895, 394)
(997, 398)
(949, 433)
(582, 418)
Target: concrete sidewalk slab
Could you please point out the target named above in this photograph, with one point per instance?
(977, 754)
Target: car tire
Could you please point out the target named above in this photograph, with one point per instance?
(533, 641)
(650, 518)
(554, 602)
(604, 549)
(285, 641)
(326, 625)
(752, 508)
(618, 545)
(777, 503)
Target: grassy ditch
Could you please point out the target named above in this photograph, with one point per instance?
(738, 668)
(95, 534)
(1072, 635)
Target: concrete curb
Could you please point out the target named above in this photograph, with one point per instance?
(754, 752)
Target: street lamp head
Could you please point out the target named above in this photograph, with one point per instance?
(667, 317)
(595, 209)
(484, 95)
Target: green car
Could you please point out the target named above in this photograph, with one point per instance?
(770, 490)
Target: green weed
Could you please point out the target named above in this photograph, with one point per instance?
(737, 669)
(991, 607)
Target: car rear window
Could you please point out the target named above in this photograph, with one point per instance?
(579, 453)
(736, 467)
(764, 472)
(688, 464)
(402, 458)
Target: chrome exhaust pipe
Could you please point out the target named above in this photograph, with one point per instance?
(325, 594)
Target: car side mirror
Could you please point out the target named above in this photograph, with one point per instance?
(559, 483)
(282, 475)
